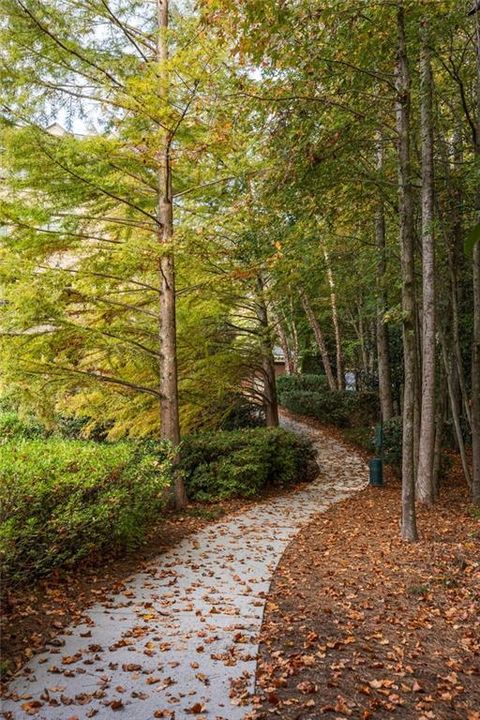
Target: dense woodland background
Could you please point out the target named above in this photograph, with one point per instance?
(234, 177)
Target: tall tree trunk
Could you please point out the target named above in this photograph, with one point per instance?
(169, 418)
(476, 308)
(317, 331)
(402, 77)
(270, 402)
(294, 338)
(336, 323)
(360, 333)
(383, 352)
(283, 340)
(425, 484)
(440, 407)
(455, 414)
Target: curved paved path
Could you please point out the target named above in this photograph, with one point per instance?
(179, 640)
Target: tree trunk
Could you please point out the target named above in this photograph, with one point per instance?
(455, 415)
(336, 323)
(283, 340)
(476, 309)
(383, 353)
(317, 331)
(169, 417)
(425, 484)
(270, 402)
(440, 408)
(294, 338)
(402, 77)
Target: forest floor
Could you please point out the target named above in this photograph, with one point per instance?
(360, 625)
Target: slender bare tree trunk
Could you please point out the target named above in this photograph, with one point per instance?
(402, 77)
(294, 337)
(317, 331)
(169, 418)
(283, 340)
(455, 414)
(425, 484)
(440, 408)
(270, 402)
(282, 336)
(336, 323)
(383, 353)
(360, 332)
(475, 415)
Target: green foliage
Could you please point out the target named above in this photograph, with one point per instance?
(307, 395)
(304, 382)
(243, 463)
(328, 406)
(12, 426)
(392, 442)
(361, 436)
(471, 240)
(63, 500)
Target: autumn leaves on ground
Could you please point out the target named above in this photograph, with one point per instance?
(358, 624)
(361, 625)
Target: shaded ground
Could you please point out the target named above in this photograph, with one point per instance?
(180, 636)
(360, 625)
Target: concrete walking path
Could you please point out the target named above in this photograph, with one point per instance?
(180, 639)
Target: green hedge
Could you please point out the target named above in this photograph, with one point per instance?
(61, 500)
(328, 407)
(309, 395)
(307, 382)
(392, 442)
(243, 463)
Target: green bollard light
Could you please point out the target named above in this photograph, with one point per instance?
(376, 472)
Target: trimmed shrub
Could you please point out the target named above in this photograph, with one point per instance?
(292, 383)
(62, 500)
(328, 407)
(309, 395)
(243, 463)
(392, 442)
(362, 407)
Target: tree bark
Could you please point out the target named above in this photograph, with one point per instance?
(383, 352)
(402, 78)
(336, 323)
(294, 338)
(455, 414)
(283, 340)
(270, 402)
(169, 416)
(475, 414)
(425, 483)
(317, 331)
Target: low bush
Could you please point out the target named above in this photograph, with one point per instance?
(69, 427)
(392, 442)
(12, 426)
(309, 395)
(62, 500)
(241, 413)
(328, 407)
(243, 463)
(307, 382)
(362, 407)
